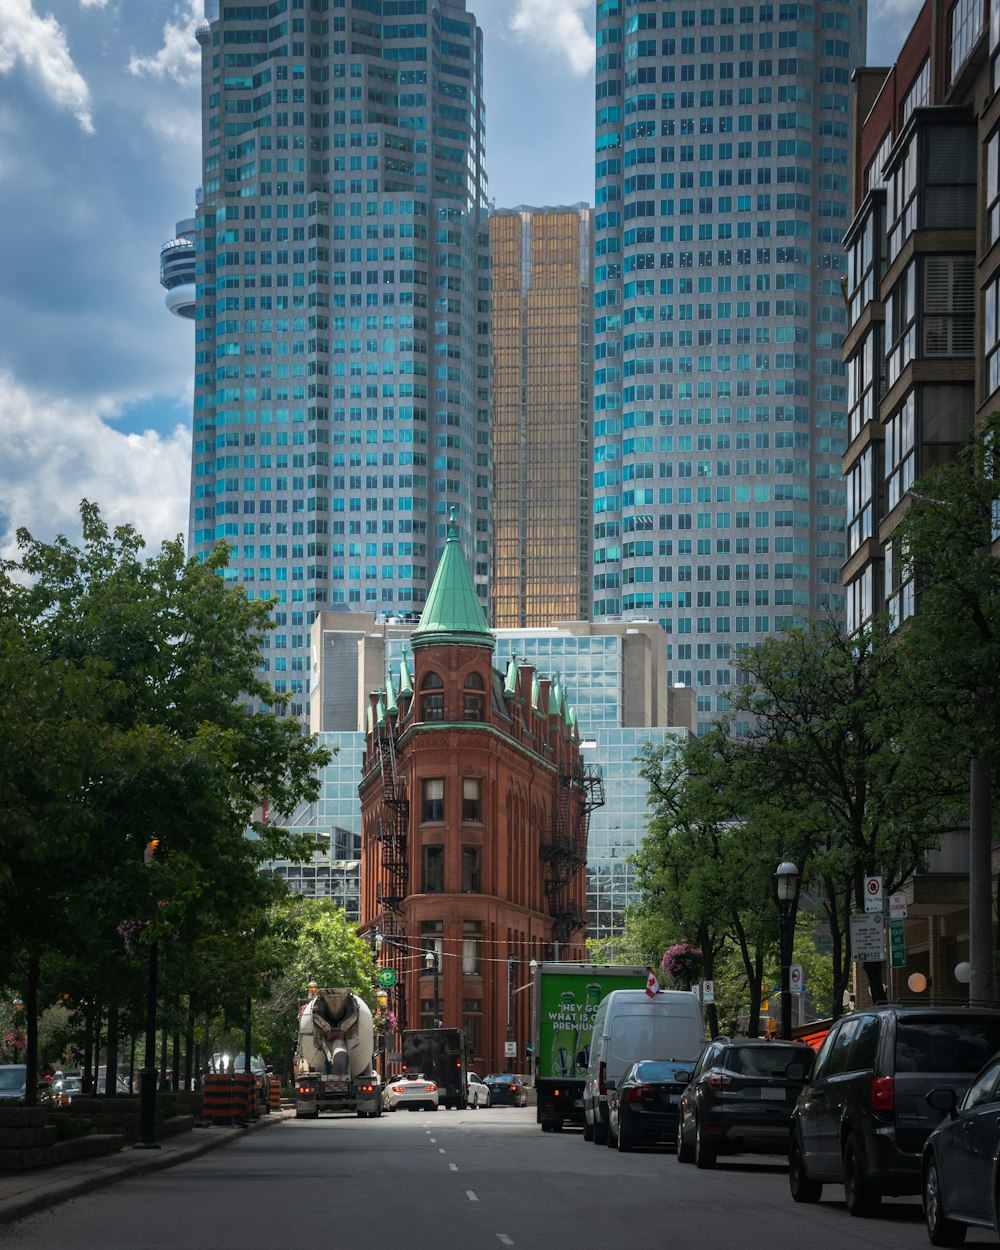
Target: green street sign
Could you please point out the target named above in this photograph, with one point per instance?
(897, 943)
(387, 978)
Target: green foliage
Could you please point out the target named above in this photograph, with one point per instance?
(68, 1126)
(132, 691)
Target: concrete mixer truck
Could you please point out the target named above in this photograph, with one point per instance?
(333, 1056)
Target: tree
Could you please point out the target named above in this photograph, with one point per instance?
(131, 722)
(824, 714)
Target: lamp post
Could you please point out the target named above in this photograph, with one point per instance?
(148, 1073)
(786, 886)
(431, 964)
(510, 1012)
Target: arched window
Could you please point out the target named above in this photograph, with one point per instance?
(432, 698)
(473, 702)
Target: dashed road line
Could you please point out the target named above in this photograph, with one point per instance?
(472, 1195)
(504, 1239)
(453, 1166)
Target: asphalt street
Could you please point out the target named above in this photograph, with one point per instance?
(473, 1180)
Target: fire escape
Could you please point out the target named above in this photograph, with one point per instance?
(564, 848)
(391, 832)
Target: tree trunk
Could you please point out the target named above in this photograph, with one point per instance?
(111, 1067)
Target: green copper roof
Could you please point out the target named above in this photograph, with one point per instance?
(453, 613)
(390, 701)
(405, 683)
(536, 695)
(510, 682)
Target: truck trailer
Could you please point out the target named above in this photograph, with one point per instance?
(333, 1056)
(566, 998)
(440, 1055)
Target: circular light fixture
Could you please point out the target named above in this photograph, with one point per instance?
(963, 972)
(917, 982)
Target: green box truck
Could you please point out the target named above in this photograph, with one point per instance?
(565, 1003)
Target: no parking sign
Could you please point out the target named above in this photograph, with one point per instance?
(873, 894)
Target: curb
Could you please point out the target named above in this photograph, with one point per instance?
(119, 1167)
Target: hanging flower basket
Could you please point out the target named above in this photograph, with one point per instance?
(682, 964)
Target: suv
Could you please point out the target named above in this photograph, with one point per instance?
(863, 1118)
(741, 1098)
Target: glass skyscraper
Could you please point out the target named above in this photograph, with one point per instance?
(342, 311)
(721, 202)
(542, 418)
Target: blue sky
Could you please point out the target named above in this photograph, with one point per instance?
(99, 157)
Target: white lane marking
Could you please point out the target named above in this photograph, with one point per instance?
(441, 1150)
(471, 1195)
(453, 1166)
(504, 1239)
(433, 1141)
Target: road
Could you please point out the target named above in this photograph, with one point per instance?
(474, 1180)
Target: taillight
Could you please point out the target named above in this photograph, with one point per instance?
(719, 1081)
(399, 1089)
(430, 1088)
(637, 1093)
(602, 1072)
(883, 1094)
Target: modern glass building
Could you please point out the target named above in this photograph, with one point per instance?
(721, 202)
(342, 307)
(542, 315)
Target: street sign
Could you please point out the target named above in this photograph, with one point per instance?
(897, 906)
(796, 978)
(708, 991)
(510, 1050)
(873, 894)
(867, 938)
(897, 943)
(387, 978)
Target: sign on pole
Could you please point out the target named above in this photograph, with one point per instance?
(867, 937)
(510, 1050)
(897, 943)
(873, 894)
(387, 978)
(796, 978)
(708, 991)
(897, 906)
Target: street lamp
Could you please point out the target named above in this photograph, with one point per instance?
(786, 888)
(149, 1073)
(510, 1012)
(431, 964)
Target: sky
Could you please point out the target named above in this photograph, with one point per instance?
(100, 157)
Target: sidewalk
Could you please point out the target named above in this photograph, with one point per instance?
(25, 1193)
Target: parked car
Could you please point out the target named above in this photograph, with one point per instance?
(631, 1025)
(862, 1120)
(477, 1092)
(642, 1108)
(961, 1165)
(506, 1089)
(13, 1080)
(64, 1088)
(526, 1079)
(413, 1091)
(741, 1098)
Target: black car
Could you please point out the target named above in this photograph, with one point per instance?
(506, 1090)
(642, 1108)
(863, 1118)
(741, 1098)
(961, 1170)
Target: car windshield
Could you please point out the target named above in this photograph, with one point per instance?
(937, 1046)
(11, 1078)
(501, 1080)
(655, 1072)
(770, 1060)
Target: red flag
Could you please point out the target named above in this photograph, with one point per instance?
(652, 985)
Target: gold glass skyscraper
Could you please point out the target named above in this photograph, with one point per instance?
(542, 310)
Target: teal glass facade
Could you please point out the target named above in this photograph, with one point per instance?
(721, 200)
(342, 315)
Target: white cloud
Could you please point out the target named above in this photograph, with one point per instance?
(558, 26)
(57, 452)
(93, 4)
(39, 43)
(180, 56)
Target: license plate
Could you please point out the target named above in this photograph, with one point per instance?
(673, 1098)
(772, 1095)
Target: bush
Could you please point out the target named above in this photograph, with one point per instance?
(69, 1126)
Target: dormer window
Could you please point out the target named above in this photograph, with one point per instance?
(432, 698)
(474, 702)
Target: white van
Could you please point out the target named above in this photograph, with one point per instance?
(631, 1025)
